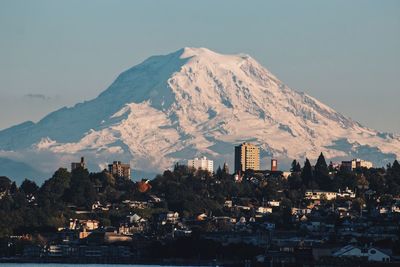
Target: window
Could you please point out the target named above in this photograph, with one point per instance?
(372, 251)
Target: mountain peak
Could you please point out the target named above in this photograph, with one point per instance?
(202, 52)
(193, 102)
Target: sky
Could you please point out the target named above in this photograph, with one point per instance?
(344, 53)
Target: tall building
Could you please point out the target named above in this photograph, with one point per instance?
(76, 165)
(120, 170)
(247, 156)
(202, 163)
(274, 165)
(356, 163)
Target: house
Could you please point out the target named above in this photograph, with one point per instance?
(132, 224)
(228, 204)
(201, 217)
(347, 193)
(300, 212)
(168, 217)
(318, 194)
(88, 225)
(264, 210)
(371, 253)
(274, 203)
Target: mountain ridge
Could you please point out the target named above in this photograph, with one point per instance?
(196, 102)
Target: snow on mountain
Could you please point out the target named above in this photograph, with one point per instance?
(194, 102)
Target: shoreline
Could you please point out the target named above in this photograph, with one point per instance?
(119, 261)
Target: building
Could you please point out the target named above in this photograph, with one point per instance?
(317, 195)
(371, 253)
(247, 156)
(120, 170)
(274, 165)
(356, 163)
(202, 163)
(76, 165)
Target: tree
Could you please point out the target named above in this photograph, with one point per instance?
(219, 172)
(321, 173)
(357, 204)
(321, 167)
(5, 183)
(295, 166)
(53, 189)
(81, 191)
(29, 187)
(386, 200)
(307, 174)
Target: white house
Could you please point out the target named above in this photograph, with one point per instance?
(264, 210)
(274, 203)
(372, 253)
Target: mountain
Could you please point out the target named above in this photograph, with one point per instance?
(188, 103)
(19, 171)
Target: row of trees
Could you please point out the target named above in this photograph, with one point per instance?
(324, 177)
(187, 191)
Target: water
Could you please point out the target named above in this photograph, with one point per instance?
(73, 265)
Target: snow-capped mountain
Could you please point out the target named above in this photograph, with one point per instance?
(188, 103)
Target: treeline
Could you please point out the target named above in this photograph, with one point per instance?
(30, 208)
(324, 177)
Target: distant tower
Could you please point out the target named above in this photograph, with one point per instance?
(247, 156)
(76, 165)
(274, 165)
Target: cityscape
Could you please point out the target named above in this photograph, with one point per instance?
(336, 214)
(199, 133)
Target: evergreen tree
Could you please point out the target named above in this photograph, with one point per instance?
(29, 187)
(321, 173)
(295, 166)
(81, 191)
(225, 168)
(321, 166)
(307, 174)
(298, 167)
(219, 172)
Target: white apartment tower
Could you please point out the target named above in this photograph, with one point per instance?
(201, 163)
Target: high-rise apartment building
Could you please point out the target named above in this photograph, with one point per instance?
(201, 163)
(247, 156)
(120, 170)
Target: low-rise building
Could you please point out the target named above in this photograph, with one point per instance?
(356, 163)
(371, 253)
(201, 163)
(318, 194)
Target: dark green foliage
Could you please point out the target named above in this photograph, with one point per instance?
(81, 191)
(29, 187)
(321, 174)
(307, 176)
(295, 166)
(52, 191)
(5, 183)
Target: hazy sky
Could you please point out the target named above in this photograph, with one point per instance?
(58, 53)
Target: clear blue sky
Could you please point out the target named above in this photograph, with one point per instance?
(58, 53)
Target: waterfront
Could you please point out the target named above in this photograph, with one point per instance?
(74, 265)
